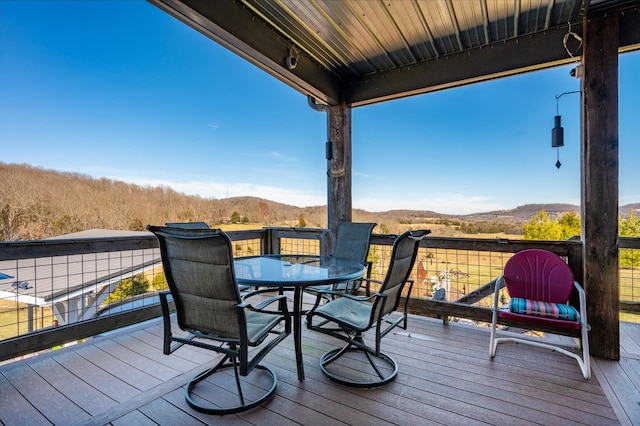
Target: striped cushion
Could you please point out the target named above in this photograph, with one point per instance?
(543, 309)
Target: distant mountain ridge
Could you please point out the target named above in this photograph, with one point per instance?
(554, 210)
(525, 212)
(518, 214)
(38, 203)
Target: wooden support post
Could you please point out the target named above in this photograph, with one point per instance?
(339, 170)
(599, 172)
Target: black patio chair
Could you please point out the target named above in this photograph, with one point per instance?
(352, 242)
(347, 317)
(198, 265)
(202, 225)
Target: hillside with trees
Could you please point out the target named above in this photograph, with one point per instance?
(36, 203)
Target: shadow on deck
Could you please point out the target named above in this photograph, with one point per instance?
(445, 377)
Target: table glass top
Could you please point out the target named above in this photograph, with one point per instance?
(300, 270)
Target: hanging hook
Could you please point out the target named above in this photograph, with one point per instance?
(565, 40)
(292, 58)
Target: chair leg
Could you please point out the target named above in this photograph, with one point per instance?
(492, 340)
(493, 344)
(374, 365)
(586, 357)
(406, 306)
(584, 333)
(237, 376)
(372, 358)
(238, 408)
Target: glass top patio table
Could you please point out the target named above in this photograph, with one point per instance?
(297, 272)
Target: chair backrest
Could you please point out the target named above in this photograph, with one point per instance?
(403, 257)
(198, 266)
(187, 225)
(353, 239)
(538, 275)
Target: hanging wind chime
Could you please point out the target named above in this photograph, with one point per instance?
(557, 133)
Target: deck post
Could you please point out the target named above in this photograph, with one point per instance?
(599, 175)
(339, 171)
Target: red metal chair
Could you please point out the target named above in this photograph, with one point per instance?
(539, 284)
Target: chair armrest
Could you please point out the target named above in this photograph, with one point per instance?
(361, 298)
(499, 284)
(368, 265)
(406, 300)
(164, 302)
(582, 298)
(283, 309)
(368, 280)
(166, 321)
(371, 280)
(350, 296)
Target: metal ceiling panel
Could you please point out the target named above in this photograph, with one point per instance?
(471, 23)
(309, 30)
(365, 51)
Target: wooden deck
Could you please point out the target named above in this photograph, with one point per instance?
(446, 377)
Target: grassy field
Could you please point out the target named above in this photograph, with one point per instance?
(458, 271)
(14, 322)
(440, 230)
(239, 226)
(467, 270)
(436, 230)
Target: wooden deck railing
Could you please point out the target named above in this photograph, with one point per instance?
(468, 266)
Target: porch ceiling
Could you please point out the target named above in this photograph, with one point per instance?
(366, 51)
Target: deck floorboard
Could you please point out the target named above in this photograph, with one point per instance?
(446, 377)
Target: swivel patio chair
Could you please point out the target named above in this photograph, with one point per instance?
(540, 285)
(198, 265)
(352, 242)
(202, 225)
(347, 317)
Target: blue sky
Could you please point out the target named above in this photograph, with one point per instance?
(120, 89)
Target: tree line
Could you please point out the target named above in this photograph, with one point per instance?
(542, 227)
(36, 203)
